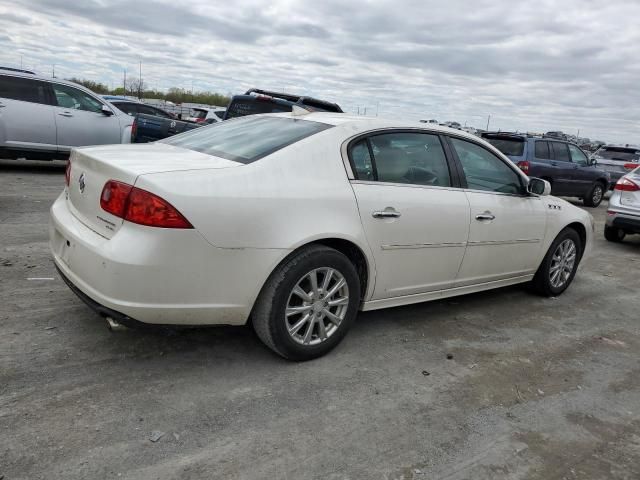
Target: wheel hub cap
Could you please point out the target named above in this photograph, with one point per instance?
(562, 263)
(317, 305)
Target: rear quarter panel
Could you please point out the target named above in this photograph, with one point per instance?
(299, 194)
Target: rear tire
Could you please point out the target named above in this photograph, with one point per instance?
(308, 303)
(595, 195)
(559, 265)
(614, 234)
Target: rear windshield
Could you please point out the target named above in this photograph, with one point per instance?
(619, 153)
(199, 113)
(249, 106)
(246, 140)
(508, 145)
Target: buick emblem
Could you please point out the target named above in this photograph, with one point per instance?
(81, 182)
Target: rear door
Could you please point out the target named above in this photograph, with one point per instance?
(80, 121)
(506, 225)
(562, 182)
(415, 216)
(26, 115)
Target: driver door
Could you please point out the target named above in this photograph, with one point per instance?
(80, 121)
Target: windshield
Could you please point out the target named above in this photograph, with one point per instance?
(246, 140)
(622, 154)
(512, 146)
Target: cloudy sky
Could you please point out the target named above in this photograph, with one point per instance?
(536, 65)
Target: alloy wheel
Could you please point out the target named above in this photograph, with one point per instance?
(596, 197)
(317, 305)
(562, 263)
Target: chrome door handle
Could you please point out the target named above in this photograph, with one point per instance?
(386, 213)
(65, 114)
(485, 216)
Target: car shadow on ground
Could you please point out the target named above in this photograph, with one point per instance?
(44, 167)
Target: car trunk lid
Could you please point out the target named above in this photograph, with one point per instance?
(92, 167)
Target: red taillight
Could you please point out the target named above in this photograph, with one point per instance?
(626, 185)
(67, 173)
(134, 129)
(114, 198)
(524, 166)
(139, 206)
(630, 166)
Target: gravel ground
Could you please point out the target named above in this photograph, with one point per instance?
(533, 388)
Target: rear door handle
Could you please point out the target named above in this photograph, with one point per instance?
(65, 114)
(388, 212)
(485, 216)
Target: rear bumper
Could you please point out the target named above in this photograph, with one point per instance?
(627, 222)
(155, 275)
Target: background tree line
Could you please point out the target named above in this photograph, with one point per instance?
(138, 88)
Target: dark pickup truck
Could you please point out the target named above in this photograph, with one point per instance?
(148, 128)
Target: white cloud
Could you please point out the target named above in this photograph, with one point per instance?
(535, 66)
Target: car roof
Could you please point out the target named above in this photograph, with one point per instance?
(35, 76)
(363, 124)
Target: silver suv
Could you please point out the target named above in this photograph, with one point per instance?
(43, 118)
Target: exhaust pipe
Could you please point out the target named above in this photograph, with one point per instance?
(114, 325)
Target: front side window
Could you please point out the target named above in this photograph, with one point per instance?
(23, 89)
(414, 158)
(485, 171)
(542, 150)
(560, 151)
(246, 140)
(578, 156)
(69, 97)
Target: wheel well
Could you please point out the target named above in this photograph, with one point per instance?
(354, 254)
(581, 230)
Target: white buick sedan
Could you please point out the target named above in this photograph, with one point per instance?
(294, 222)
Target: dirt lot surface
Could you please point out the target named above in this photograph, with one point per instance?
(534, 388)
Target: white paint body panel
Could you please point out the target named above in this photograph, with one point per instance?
(248, 218)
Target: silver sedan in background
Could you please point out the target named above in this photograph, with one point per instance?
(623, 214)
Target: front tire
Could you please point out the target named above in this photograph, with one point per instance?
(308, 303)
(559, 265)
(595, 195)
(613, 234)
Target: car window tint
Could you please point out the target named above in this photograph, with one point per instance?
(23, 89)
(246, 140)
(513, 146)
(560, 151)
(415, 158)
(69, 97)
(361, 161)
(542, 150)
(578, 156)
(128, 108)
(220, 114)
(252, 106)
(485, 171)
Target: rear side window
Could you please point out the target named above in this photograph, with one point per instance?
(560, 151)
(247, 139)
(512, 146)
(413, 158)
(361, 161)
(23, 89)
(542, 150)
(253, 106)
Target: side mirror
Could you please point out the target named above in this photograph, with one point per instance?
(106, 111)
(538, 187)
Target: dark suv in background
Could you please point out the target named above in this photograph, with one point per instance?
(256, 101)
(564, 165)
